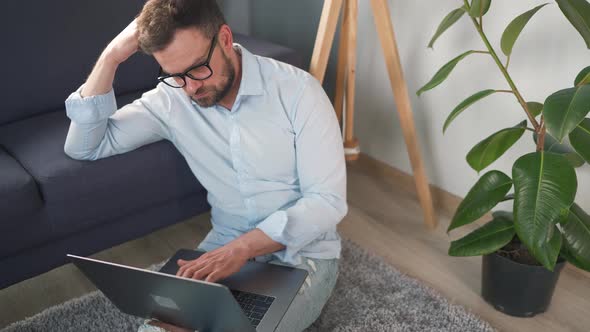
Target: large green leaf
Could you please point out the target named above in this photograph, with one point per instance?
(552, 145)
(464, 105)
(570, 257)
(491, 148)
(446, 23)
(578, 13)
(580, 139)
(544, 189)
(443, 73)
(488, 191)
(514, 29)
(583, 77)
(479, 7)
(576, 233)
(565, 109)
(484, 240)
(574, 159)
(551, 250)
(535, 108)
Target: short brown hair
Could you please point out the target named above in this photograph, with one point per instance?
(159, 19)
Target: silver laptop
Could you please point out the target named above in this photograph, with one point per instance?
(254, 299)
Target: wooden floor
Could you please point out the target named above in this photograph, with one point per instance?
(384, 217)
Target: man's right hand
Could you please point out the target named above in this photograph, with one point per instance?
(118, 51)
(124, 45)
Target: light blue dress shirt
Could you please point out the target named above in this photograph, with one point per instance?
(274, 161)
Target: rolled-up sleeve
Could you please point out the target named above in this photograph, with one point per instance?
(322, 176)
(98, 130)
(92, 109)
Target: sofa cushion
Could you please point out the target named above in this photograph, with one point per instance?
(22, 222)
(80, 194)
(19, 196)
(25, 232)
(54, 45)
(268, 49)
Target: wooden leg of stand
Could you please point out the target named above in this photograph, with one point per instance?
(324, 38)
(351, 145)
(402, 100)
(341, 66)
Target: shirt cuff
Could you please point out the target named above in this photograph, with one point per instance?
(91, 109)
(274, 225)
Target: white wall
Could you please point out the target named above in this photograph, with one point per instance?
(546, 58)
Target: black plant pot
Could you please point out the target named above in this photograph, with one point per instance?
(517, 289)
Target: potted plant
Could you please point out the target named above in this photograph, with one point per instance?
(525, 249)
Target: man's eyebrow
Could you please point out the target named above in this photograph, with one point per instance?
(199, 61)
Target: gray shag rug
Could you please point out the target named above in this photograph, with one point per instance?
(370, 295)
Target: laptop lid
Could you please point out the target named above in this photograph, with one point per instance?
(184, 302)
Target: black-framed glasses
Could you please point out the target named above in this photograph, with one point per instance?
(198, 72)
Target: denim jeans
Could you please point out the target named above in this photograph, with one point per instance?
(313, 295)
(309, 301)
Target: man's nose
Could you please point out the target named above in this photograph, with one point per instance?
(193, 85)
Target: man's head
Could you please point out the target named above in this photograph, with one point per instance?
(181, 34)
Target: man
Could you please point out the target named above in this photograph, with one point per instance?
(260, 135)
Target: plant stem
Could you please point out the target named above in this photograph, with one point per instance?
(507, 91)
(541, 138)
(541, 135)
(505, 73)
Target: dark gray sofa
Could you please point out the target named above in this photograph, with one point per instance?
(50, 204)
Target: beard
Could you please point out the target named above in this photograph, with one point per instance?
(218, 92)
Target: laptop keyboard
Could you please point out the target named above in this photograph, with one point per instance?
(253, 305)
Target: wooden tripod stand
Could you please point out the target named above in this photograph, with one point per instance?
(346, 77)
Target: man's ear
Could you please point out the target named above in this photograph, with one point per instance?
(225, 38)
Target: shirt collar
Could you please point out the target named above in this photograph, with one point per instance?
(251, 83)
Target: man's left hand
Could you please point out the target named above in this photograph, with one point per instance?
(215, 265)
